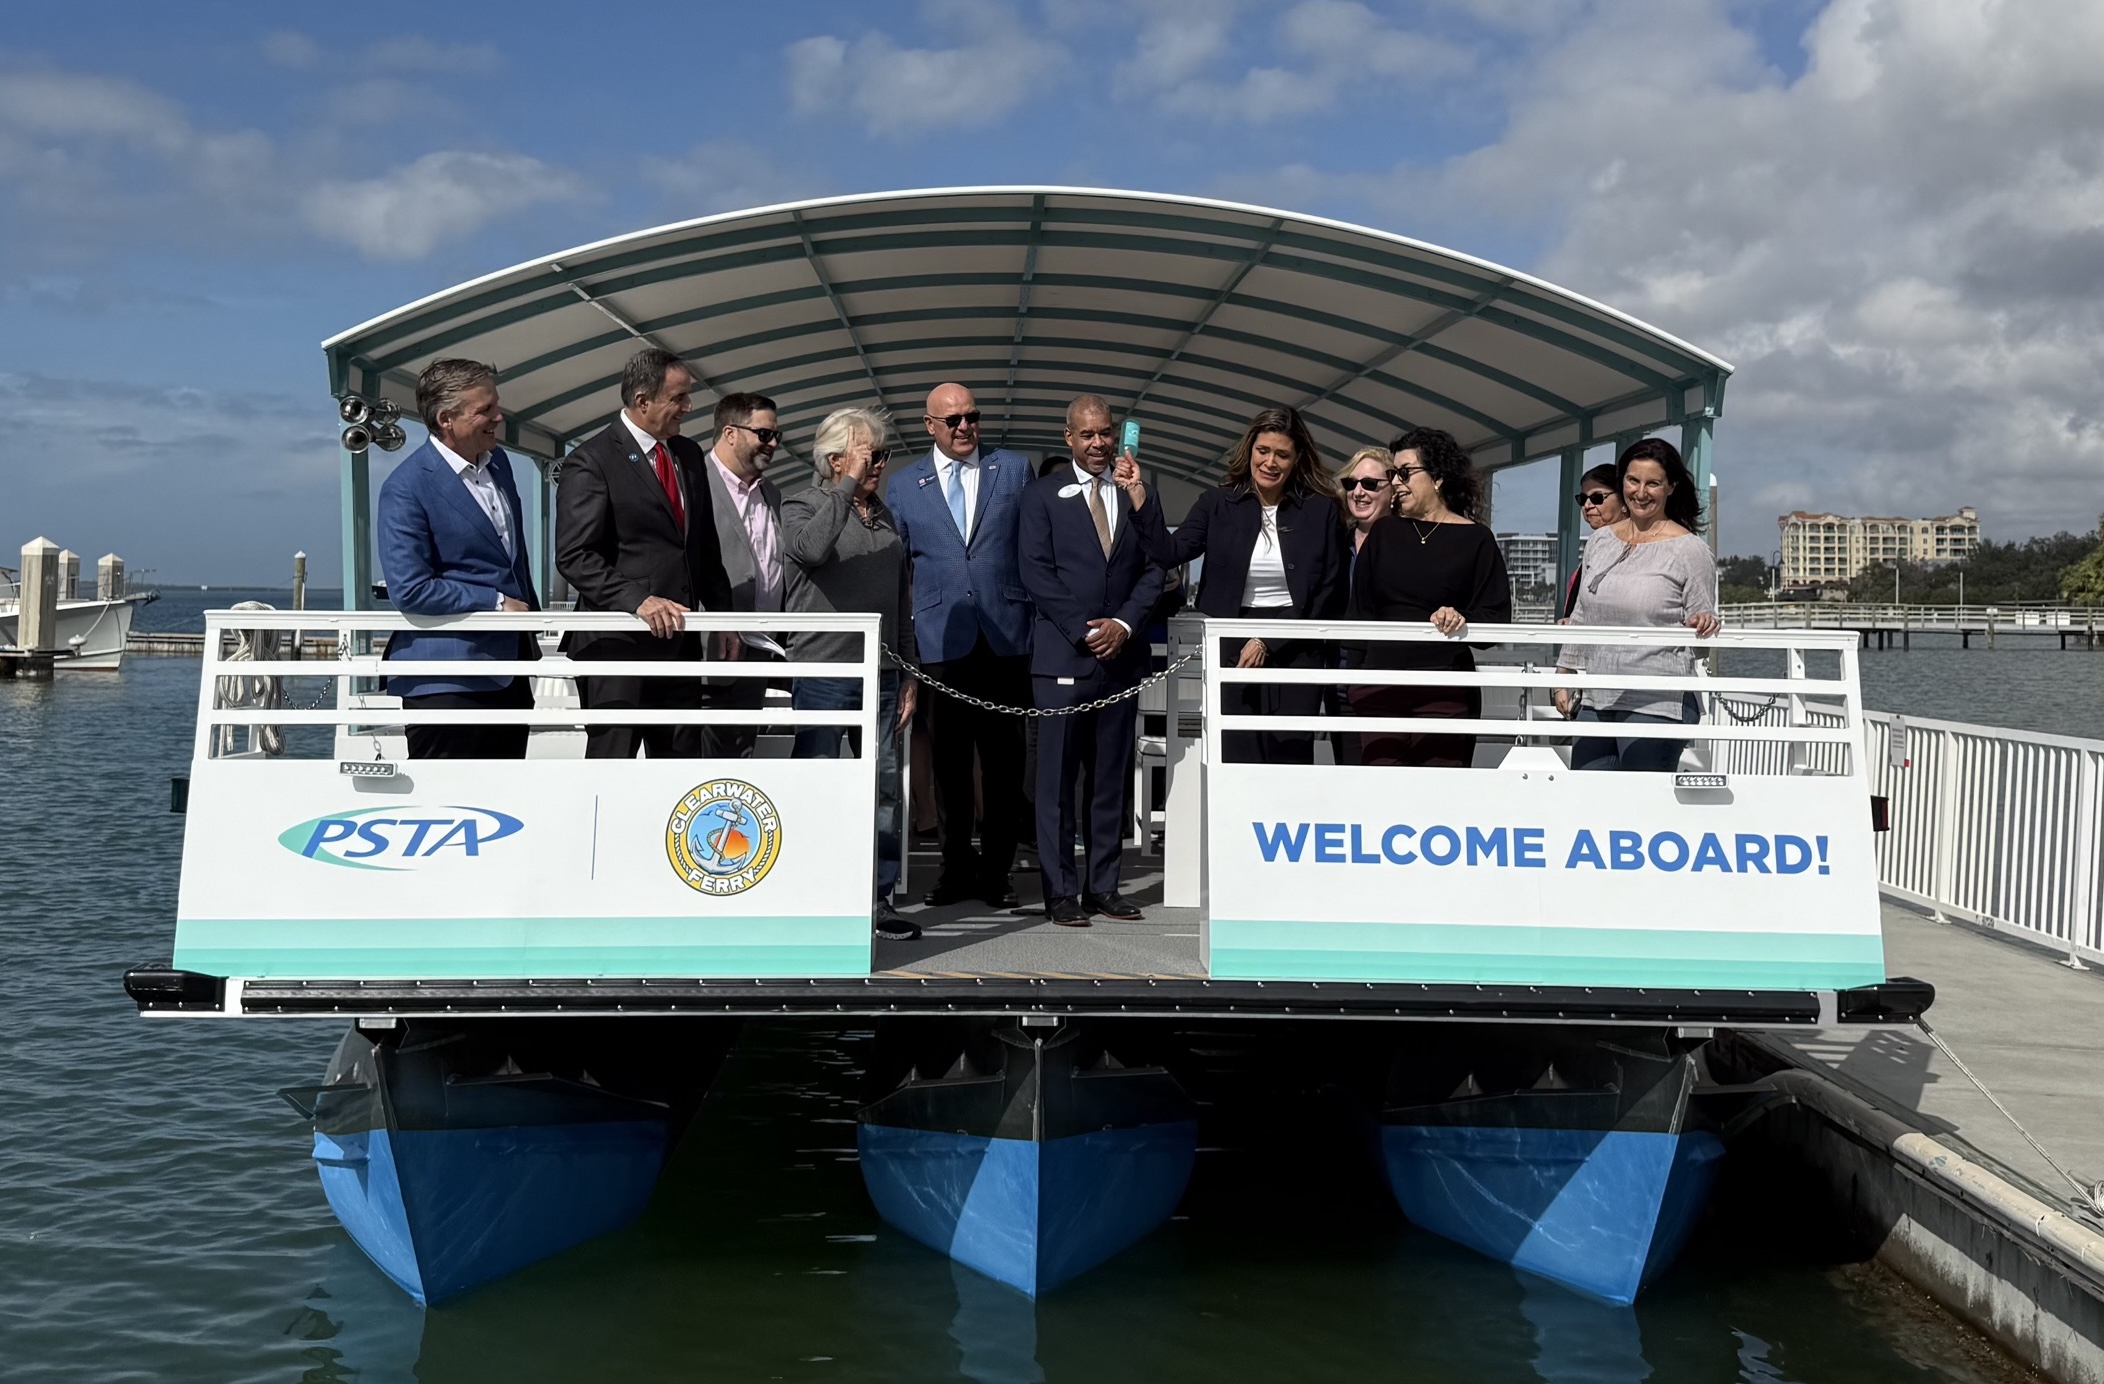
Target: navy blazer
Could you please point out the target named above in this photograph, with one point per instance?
(1222, 528)
(963, 589)
(1072, 582)
(440, 555)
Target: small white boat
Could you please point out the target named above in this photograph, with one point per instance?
(91, 633)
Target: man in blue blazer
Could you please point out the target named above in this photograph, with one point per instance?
(956, 512)
(1085, 568)
(452, 541)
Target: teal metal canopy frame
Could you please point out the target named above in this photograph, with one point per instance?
(1187, 313)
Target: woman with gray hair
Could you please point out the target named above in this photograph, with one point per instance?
(845, 555)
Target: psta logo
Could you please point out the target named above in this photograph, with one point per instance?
(723, 837)
(398, 838)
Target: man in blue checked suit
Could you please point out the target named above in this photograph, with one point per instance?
(956, 512)
(452, 541)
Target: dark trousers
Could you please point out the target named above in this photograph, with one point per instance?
(1096, 747)
(676, 693)
(1259, 699)
(1416, 749)
(471, 742)
(1627, 752)
(959, 732)
(737, 694)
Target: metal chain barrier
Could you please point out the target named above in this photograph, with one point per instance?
(1724, 703)
(920, 675)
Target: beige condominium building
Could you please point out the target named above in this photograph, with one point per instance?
(1829, 549)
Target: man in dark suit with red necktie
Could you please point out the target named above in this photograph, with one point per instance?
(635, 532)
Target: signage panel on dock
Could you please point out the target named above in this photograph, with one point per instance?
(493, 870)
(1541, 877)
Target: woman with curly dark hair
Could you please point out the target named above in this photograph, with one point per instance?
(1429, 561)
(1272, 536)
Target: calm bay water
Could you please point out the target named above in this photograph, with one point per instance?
(159, 1218)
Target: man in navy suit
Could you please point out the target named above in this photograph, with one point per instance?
(956, 513)
(452, 541)
(1085, 568)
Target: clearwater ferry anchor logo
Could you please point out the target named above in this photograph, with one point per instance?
(723, 837)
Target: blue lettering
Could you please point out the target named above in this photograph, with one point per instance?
(1709, 855)
(423, 827)
(1793, 855)
(1822, 853)
(1278, 841)
(1388, 847)
(1329, 843)
(469, 832)
(1678, 858)
(1482, 845)
(1527, 848)
(1625, 850)
(1445, 854)
(370, 831)
(1360, 855)
(327, 830)
(1586, 850)
(1753, 853)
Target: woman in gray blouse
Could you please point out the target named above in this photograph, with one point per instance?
(845, 555)
(1648, 568)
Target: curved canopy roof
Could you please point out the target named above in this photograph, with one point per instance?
(1189, 314)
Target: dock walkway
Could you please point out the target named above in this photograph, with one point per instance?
(2030, 1028)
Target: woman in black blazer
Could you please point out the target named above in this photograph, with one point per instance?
(1272, 537)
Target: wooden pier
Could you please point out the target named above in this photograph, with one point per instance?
(1886, 626)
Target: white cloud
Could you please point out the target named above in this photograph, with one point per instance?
(415, 53)
(725, 175)
(992, 64)
(1902, 249)
(1334, 46)
(442, 196)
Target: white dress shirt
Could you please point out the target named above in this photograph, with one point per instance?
(949, 469)
(1110, 506)
(483, 487)
(762, 531)
(650, 445)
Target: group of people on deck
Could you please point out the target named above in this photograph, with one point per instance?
(1009, 588)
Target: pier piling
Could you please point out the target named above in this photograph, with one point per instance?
(38, 628)
(109, 577)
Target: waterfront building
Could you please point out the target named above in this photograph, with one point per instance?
(1829, 549)
(1530, 558)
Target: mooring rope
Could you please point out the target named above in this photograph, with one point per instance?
(2090, 1194)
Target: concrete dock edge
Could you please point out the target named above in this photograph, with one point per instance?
(2026, 1275)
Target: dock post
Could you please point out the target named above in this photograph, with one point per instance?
(109, 578)
(37, 629)
(299, 581)
(68, 575)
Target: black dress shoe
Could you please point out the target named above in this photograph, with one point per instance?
(1066, 911)
(943, 895)
(1000, 896)
(884, 920)
(1112, 905)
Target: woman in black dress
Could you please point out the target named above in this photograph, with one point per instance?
(1272, 536)
(1430, 561)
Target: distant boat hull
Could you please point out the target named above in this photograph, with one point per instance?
(1031, 1163)
(454, 1155)
(1570, 1158)
(101, 627)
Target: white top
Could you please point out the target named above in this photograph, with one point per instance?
(483, 486)
(950, 470)
(1265, 587)
(649, 446)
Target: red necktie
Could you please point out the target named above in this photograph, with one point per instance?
(671, 484)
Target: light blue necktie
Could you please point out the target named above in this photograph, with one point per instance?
(954, 493)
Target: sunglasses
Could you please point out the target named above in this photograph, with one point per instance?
(951, 420)
(1365, 483)
(1404, 473)
(1588, 498)
(768, 436)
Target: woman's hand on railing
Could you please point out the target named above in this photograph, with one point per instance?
(1705, 623)
(1449, 621)
(1252, 655)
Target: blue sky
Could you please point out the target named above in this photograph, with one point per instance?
(1889, 215)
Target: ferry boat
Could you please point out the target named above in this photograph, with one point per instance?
(1509, 970)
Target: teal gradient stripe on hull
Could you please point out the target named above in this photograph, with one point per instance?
(1445, 953)
(522, 948)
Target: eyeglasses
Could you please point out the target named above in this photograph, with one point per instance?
(1404, 473)
(951, 420)
(1365, 483)
(880, 456)
(768, 436)
(1588, 498)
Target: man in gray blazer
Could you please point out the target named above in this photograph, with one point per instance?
(748, 512)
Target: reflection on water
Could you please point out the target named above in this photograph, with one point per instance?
(160, 1220)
